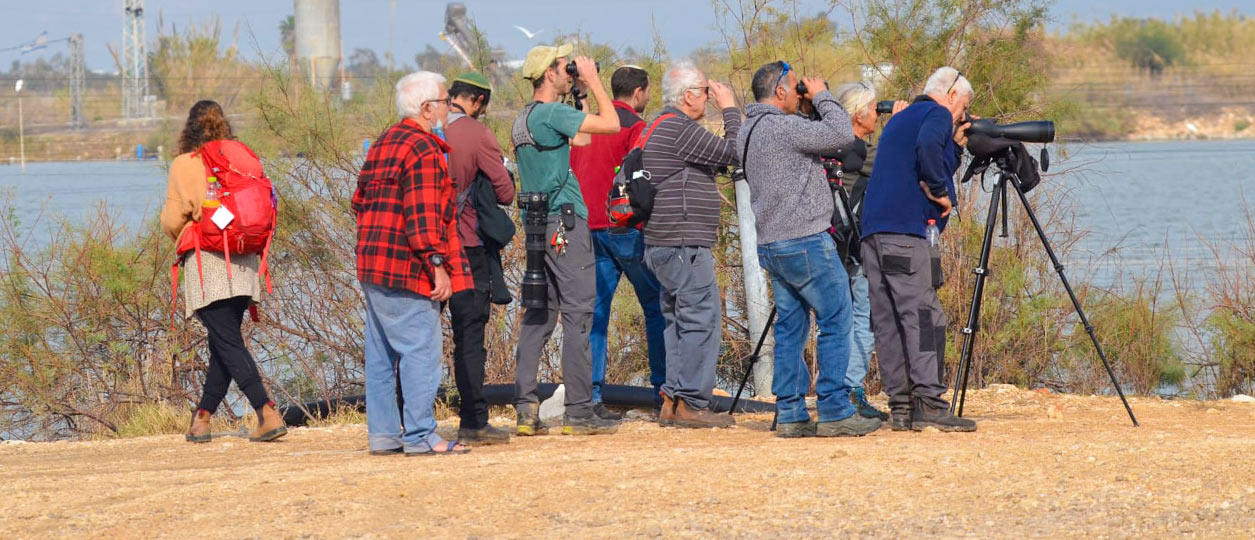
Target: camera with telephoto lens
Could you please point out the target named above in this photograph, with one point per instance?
(884, 107)
(575, 72)
(535, 206)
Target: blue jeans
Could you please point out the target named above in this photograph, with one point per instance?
(861, 339)
(807, 275)
(402, 340)
(619, 253)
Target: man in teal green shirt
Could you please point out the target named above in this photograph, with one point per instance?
(543, 135)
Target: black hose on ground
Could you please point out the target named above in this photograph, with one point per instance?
(614, 395)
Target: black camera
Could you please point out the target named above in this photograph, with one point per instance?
(884, 107)
(575, 72)
(535, 206)
(986, 137)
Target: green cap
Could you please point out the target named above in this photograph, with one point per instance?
(474, 79)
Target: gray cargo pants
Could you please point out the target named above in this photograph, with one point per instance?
(572, 292)
(903, 274)
(690, 307)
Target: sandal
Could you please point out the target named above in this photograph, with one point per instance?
(450, 448)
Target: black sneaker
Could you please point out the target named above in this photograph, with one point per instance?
(855, 425)
(901, 421)
(588, 425)
(939, 417)
(528, 422)
(858, 397)
(605, 413)
(795, 430)
(483, 436)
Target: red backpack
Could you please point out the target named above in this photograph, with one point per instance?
(249, 199)
(631, 198)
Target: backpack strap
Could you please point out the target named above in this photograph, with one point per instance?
(521, 134)
(640, 143)
(748, 136)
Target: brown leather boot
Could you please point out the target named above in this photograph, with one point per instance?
(666, 415)
(199, 431)
(688, 417)
(270, 425)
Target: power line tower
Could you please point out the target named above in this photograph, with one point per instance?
(134, 63)
(78, 65)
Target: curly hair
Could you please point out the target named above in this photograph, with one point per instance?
(205, 122)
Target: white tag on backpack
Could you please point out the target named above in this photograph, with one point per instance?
(222, 217)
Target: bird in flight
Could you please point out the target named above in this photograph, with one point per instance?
(530, 34)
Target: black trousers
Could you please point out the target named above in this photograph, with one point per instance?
(469, 311)
(229, 358)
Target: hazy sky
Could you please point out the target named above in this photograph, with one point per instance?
(684, 24)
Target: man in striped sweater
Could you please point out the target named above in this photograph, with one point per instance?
(682, 158)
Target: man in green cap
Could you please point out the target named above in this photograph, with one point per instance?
(542, 136)
(475, 154)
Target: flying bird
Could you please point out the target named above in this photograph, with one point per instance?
(530, 34)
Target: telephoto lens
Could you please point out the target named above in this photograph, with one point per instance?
(884, 107)
(575, 72)
(535, 206)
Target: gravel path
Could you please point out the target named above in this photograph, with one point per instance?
(1041, 465)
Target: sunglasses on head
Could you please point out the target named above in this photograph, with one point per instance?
(783, 72)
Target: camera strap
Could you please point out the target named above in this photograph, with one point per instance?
(748, 136)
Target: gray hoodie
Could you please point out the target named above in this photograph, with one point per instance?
(788, 190)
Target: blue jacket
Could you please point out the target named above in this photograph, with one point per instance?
(917, 145)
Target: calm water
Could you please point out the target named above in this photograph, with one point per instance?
(1143, 202)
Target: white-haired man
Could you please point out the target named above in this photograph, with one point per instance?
(409, 259)
(683, 158)
(911, 186)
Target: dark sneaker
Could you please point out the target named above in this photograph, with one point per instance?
(588, 425)
(926, 416)
(605, 413)
(483, 436)
(794, 430)
(527, 422)
(689, 417)
(855, 425)
(858, 397)
(901, 421)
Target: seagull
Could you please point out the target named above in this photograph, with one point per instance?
(530, 34)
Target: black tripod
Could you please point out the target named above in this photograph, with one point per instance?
(1007, 180)
(848, 217)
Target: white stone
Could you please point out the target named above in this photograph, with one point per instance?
(1243, 398)
(553, 408)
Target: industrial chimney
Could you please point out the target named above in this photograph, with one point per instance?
(318, 40)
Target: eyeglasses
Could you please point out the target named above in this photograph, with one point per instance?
(784, 71)
(446, 101)
(957, 74)
(705, 89)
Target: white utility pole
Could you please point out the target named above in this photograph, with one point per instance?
(21, 129)
(757, 304)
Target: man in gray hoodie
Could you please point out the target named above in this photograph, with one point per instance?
(793, 205)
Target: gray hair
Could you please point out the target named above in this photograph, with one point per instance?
(854, 97)
(681, 77)
(415, 89)
(946, 79)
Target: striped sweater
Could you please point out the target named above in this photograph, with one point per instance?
(683, 158)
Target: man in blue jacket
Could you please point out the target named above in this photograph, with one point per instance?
(912, 184)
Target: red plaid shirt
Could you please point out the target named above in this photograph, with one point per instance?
(405, 212)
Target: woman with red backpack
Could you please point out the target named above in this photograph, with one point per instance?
(221, 283)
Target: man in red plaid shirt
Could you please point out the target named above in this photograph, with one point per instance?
(409, 260)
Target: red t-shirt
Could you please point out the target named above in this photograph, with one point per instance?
(594, 164)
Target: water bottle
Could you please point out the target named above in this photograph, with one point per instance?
(932, 233)
(213, 191)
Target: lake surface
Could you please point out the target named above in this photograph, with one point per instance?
(1143, 203)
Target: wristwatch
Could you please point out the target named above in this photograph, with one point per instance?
(436, 260)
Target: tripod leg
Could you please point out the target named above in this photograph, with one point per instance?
(1076, 304)
(973, 316)
(753, 359)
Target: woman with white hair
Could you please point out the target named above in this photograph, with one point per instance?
(859, 100)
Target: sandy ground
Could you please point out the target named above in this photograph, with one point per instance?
(1040, 465)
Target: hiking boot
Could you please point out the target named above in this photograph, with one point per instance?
(199, 431)
(270, 425)
(858, 397)
(901, 421)
(587, 425)
(483, 436)
(855, 425)
(666, 411)
(939, 417)
(527, 422)
(689, 417)
(605, 413)
(794, 430)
